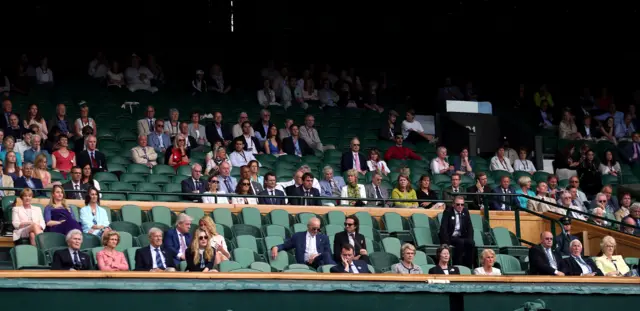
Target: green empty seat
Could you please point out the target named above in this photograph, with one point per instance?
(281, 261)
(229, 265)
(125, 226)
(280, 217)
(161, 214)
(131, 257)
(509, 265)
(27, 257)
(245, 257)
(135, 168)
(132, 214)
(382, 261)
(163, 169)
(508, 243)
(250, 242)
(251, 216)
(392, 245)
(126, 241)
(195, 212)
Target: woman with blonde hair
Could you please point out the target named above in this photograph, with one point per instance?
(216, 240)
(487, 259)
(213, 160)
(608, 263)
(200, 255)
(40, 170)
(404, 191)
(27, 219)
(179, 153)
(109, 259)
(57, 215)
(406, 266)
(353, 190)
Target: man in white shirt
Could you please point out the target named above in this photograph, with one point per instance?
(21, 146)
(146, 125)
(236, 130)
(143, 154)
(310, 134)
(239, 157)
(139, 77)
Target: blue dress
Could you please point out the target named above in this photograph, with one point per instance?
(59, 214)
(273, 149)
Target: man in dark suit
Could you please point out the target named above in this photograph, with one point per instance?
(576, 265)
(71, 258)
(218, 132)
(506, 202)
(479, 200)
(193, 184)
(7, 108)
(296, 145)
(347, 263)
(270, 185)
(632, 150)
(375, 190)
(261, 127)
(75, 184)
(92, 156)
(563, 240)
(28, 181)
(351, 236)
(452, 192)
(155, 257)
(353, 159)
(316, 254)
(456, 229)
(178, 239)
(543, 260)
(306, 190)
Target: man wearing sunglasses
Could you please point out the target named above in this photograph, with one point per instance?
(312, 247)
(350, 236)
(456, 229)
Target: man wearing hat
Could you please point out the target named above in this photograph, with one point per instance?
(563, 240)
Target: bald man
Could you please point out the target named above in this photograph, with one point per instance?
(312, 247)
(543, 260)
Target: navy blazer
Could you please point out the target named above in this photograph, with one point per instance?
(21, 182)
(457, 162)
(144, 260)
(346, 163)
(172, 244)
(272, 201)
(571, 266)
(360, 265)
(62, 260)
(212, 133)
(299, 242)
(154, 142)
(510, 202)
(188, 187)
(289, 148)
(313, 200)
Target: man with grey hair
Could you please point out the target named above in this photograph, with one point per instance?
(178, 240)
(375, 190)
(304, 169)
(629, 225)
(36, 149)
(330, 186)
(71, 258)
(28, 181)
(92, 156)
(145, 126)
(311, 247)
(194, 184)
(155, 257)
(236, 130)
(634, 212)
(576, 265)
(309, 133)
(261, 128)
(143, 154)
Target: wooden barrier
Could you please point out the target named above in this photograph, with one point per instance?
(384, 277)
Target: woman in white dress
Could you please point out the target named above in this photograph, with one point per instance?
(375, 163)
(522, 164)
(439, 165)
(488, 258)
(27, 220)
(213, 188)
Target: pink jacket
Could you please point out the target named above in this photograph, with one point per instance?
(112, 261)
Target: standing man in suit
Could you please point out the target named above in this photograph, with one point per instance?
(28, 181)
(158, 139)
(375, 190)
(452, 192)
(543, 260)
(145, 126)
(456, 229)
(563, 240)
(270, 190)
(143, 154)
(330, 186)
(311, 195)
(71, 258)
(75, 184)
(177, 240)
(92, 156)
(193, 184)
(155, 257)
(347, 263)
(351, 236)
(505, 202)
(296, 145)
(353, 159)
(245, 172)
(217, 132)
(576, 265)
(480, 187)
(311, 247)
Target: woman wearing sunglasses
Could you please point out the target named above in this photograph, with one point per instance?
(244, 188)
(212, 185)
(200, 256)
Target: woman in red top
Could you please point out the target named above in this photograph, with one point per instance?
(179, 152)
(63, 159)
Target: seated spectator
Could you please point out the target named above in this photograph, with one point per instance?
(327, 96)
(251, 143)
(608, 130)
(351, 236)
(177, 239)
(480, 187)
(87, 181)
(543, 260)
(375, 190)
(576, 265)
(389, 131)
(33, 117)
(609, 263)
(218, 133)
(200, 256)
(456, 230)
(261, 128)
(273, 144)
(501, 163)
(35, 150)
(61, 121)
(522, 164)
(611, 205)
(8, 146)
(213, 162)
(625, 129)
(318, 251)
(218, 84)
(439, 164)
(143, 154)
(629, 225)
(425, 193)
(353, 159)
(295, 145)
(270, 190)
(109, 259)
(14, 129)
(404, 191)
(58, 216)
(506, 202)
(568, 128)
(23, 144)
(237, 129)
(28, 181)
(27, 220)
(40, 171)
(199, 84)
(193, 184)
(590, 177)
(587, 130)
(158, 139)
(172, 125)
(563, 240)
(44, 75)
(146, 125)
(71, 258)
(487, 259)
(376, 164)
(454, 189)
(115, 78)
(266, 96)
(91, 156)
(552, 187)
(5, 181)
(179, 152)
(11, 167)
(331, 186)
(609, 166)
(442, 262)
(94, 219)
(284, 132)
(245, 173)
(254, 172)
(612, 112)
(348, 264)
(632, 150)
(576, 204)
(158, 74)
(84, 121)
(545, 116)
(217, 241)
(212, 184)
(625, 206)
(309, 133)
(599, 212)
(464, 165)
(63, 159)
(228, 183)
(412, 130)
(353, 190)
(197, 130)
(139, 77)
(306, 189)
(244, 188)
(525, 188)
(309, 92)
(155, 257)
(406, 266)
(542, 194)
(240, 157)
